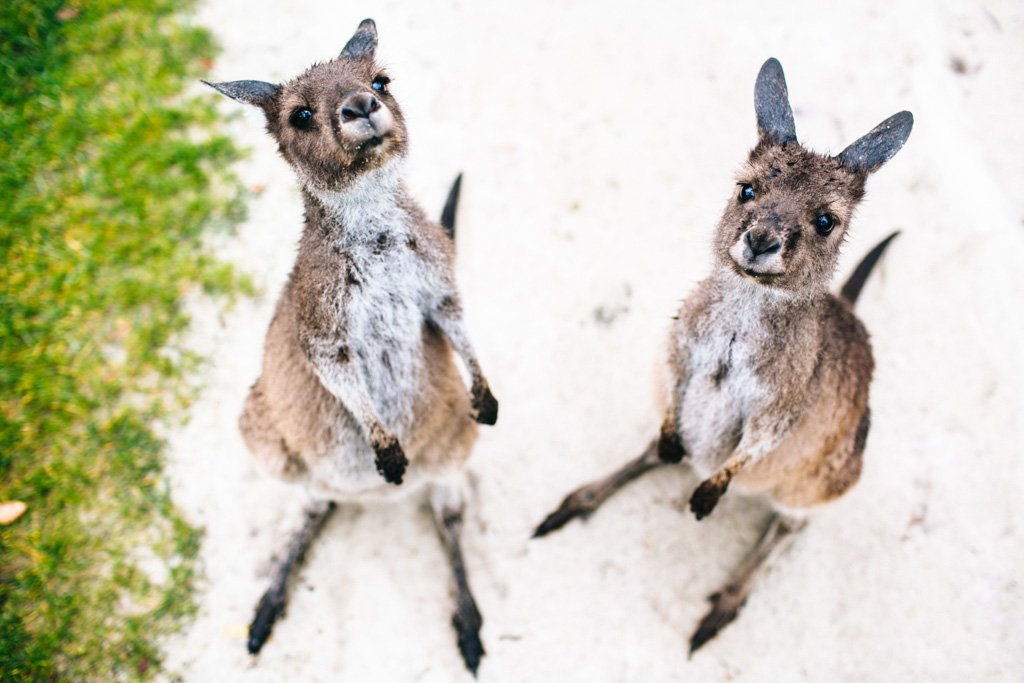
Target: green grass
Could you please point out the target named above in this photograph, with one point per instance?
(109, 178)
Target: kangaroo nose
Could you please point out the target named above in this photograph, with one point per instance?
(359, 106)
(762, 242)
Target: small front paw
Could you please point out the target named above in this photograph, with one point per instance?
(670, 447)
(391, 462)
(485, 406)
(705, 498)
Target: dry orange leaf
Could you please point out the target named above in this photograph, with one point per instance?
(11, 510)
(235, 631)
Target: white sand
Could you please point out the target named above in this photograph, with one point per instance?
(598, 146)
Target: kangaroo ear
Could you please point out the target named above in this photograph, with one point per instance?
(257, 93)
(771, 102)
(363, 42)
(881, 144)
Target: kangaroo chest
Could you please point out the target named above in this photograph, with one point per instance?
(384, 310)
(723, 385)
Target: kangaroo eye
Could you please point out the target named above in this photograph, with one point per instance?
(746, 193)
(301, 118)
(380, 83)
(824, 224)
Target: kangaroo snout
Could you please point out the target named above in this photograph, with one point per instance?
(358, 106)
(365, 120)
(761, 241)
(758, 251)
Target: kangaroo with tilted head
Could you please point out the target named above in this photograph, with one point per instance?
(768, 373)
(359, 391)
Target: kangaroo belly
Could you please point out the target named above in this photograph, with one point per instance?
(414, 383)
(710, 426)
(388, 353)
(714, 403)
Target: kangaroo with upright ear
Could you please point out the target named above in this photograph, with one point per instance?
(359, 394)
(767, 372)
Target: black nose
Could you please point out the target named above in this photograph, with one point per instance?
(762, 242)
(359, 106)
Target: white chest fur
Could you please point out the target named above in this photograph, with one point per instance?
(385, 321)
(723, 385)
(385, 298)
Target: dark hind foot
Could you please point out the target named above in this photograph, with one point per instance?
(725, 605)
(586, 499)
(447, 504)
(579, 503)
(467, 622)
(270, 607)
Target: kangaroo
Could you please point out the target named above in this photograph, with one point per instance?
(359, 394)
(767, 373)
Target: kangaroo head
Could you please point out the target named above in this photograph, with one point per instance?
(792, 207)
(336, 120)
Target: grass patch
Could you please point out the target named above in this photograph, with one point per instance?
(110, 177)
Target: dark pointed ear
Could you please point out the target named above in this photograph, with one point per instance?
(257, 93)
(363, 42)
(771, 102)
(881, 144)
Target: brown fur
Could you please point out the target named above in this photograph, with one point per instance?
(343, 361)
(359, 389)
(820, 458)
(767, 373)
(793, 423)
(793, 185)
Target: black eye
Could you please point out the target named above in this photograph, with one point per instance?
(380, 83)
(301, 118)
(824, 224)
(746, 193)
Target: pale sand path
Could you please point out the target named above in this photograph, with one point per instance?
(598, 147)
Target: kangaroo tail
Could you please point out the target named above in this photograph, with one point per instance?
(450, 205)
(851, 290)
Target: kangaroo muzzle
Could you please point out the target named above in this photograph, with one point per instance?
(758, 251)
(364, 118)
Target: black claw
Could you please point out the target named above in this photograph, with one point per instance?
(467, 629)
(485, 406)
(391, 462)
(706, 497)
(714, 621)
(670, 448)
(270, 607)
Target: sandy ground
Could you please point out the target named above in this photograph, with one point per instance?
(598, 145)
